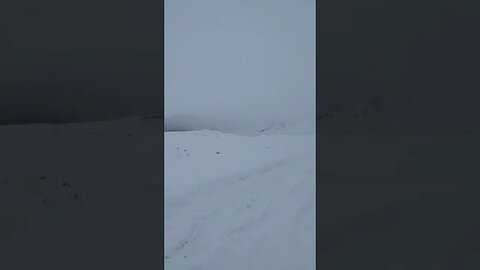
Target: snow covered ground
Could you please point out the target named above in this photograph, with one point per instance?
(81, 196)
(87, 196)
(239, 202)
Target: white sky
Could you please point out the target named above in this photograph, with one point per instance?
(240, 59)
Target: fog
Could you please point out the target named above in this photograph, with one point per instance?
(239, 62)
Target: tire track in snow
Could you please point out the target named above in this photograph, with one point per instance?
(221, 183)
(239, 202)
(205, 192)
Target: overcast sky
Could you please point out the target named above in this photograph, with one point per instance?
(251, 60)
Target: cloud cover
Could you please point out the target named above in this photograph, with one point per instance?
(240, 60)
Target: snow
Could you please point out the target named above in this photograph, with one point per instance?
(81, 196)
(239, 141)
(239, 202)
(87, 196)
(227, 123)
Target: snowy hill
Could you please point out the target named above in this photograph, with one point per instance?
(239, 202)
(81, 196)
(295, 125)
(86, 196)
(290, 128)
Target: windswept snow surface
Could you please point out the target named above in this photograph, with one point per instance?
(239, 202)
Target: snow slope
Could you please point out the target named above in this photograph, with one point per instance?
(81, 196)
(239, 202)
(235, 125)
(86, 196)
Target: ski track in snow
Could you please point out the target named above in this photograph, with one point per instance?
(251, 215)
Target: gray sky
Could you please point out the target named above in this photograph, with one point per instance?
(244, 60)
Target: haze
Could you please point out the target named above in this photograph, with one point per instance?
(250, 62)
